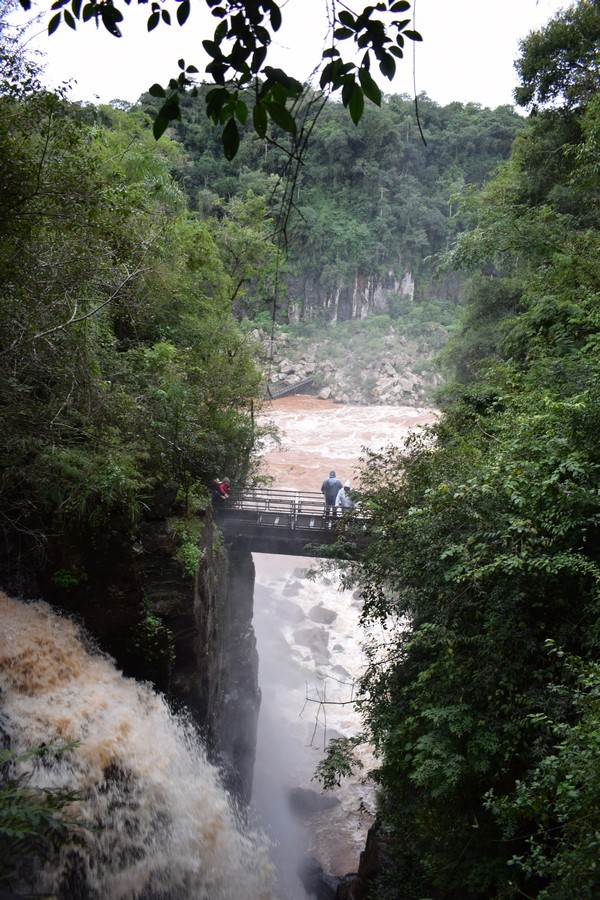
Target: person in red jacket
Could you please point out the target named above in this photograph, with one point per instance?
(221, 489)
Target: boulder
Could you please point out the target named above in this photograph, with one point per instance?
(304, 802)
(289, 611)
(316, 639)
(291, 589)
(322, 615)
(317, 884)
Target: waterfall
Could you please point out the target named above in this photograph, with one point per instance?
(161, 825)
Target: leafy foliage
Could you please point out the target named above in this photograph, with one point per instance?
(562, 794)
(484, 568)
(559, 63)
(339, 762)
(370, 202)
(122, 366)
(34, 822)
(153, 640)
(238, 51)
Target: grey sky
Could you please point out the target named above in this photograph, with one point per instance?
(468, 51)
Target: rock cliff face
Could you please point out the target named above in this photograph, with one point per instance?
(366, 296)
(189, 634)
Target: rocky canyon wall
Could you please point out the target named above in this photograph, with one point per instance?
(367, 295)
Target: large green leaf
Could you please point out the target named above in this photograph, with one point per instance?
(231, 139)
(281, 116)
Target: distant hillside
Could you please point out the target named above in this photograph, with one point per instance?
(373, 203)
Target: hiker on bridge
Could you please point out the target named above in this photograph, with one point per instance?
(330, 489)
(221, 489)
(344, 498)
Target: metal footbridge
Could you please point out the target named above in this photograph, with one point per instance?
(287, 522)
(301, 387)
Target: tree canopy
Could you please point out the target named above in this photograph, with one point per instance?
(122, 365)
(560, 63)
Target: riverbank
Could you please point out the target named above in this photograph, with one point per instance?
(369, 362)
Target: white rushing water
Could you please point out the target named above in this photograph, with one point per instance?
(310, 652)
(310, 642)
(163, 825)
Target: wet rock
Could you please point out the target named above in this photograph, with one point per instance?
(289, 611)
(291, 589)
(322, 615)
(340, 672)
(373, 861)
(317, 884)
(299, 573)
(159, 538)
(304, 802)
(345, 888)
(316, 639)
(163, 500)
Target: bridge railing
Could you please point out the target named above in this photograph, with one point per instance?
(285, 508)
(284, 521)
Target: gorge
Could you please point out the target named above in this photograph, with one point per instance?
(147, 307)
(308, 649)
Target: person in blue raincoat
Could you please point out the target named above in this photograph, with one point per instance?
(330, 489)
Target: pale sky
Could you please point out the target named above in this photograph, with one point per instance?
(467, 54)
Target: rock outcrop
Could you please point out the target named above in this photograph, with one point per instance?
(400, 374)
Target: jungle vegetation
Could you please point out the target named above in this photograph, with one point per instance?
(239, 78)
(126, 265)
(483, 701)
(122, 364)
(121, 260)
(371, 201)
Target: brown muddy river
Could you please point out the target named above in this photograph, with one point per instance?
(319, 435)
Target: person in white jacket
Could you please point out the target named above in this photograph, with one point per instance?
(343, 499)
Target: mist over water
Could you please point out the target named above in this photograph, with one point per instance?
(310, 644)
(163, 825)
(301, 663)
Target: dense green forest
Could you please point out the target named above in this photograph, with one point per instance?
(125, 265)
(484, 569)
(370, 203)
(122, 364)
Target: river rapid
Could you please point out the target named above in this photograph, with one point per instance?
(310, 646)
